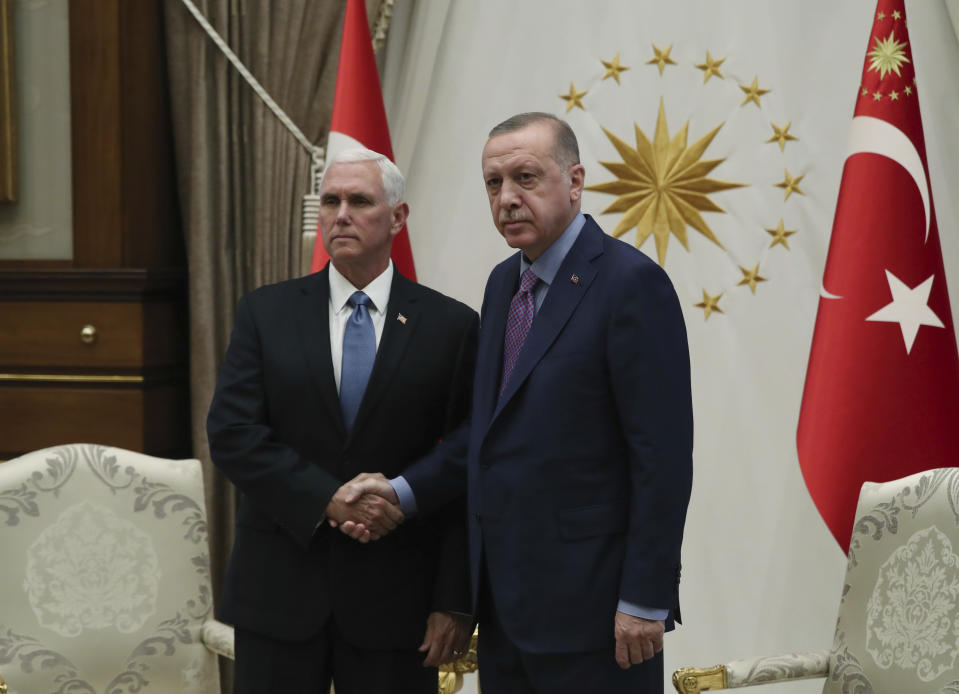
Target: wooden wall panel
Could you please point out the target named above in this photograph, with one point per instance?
(48, 334)
(95, 129)
(129, 387)
(149, 210)
(108, 416)
(125, 211)
(137, 419)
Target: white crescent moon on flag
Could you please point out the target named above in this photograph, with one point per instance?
(875, 136)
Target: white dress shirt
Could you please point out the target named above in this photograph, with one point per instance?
(341, 289)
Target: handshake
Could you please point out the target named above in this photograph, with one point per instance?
(365, 508)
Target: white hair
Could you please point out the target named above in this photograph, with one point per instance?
(394, 185)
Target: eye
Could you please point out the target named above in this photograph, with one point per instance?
(360, 201)
(329, 201)
(493, 182)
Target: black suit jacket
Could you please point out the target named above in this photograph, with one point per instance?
(580, 472)
(276, 431)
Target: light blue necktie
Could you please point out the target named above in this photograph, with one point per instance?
(359, 351)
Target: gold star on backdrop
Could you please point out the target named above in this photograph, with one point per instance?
(710, 304)
(781, 135)
(711, 67)
(908, 90)
(894, 95)
(751, 277)
(574, 98)
(613, 68)
(887, 55)
(753, 92)
(661, 58)
(780, 235)
(662, 185)
(876, 96)
(791, 185)
(896, 14)
(881, 16)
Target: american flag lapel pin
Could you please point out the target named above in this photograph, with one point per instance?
(574, 279)
(401, 318)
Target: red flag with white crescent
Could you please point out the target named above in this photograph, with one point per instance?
(881, 399)
(359, 118)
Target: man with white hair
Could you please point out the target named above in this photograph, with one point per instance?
(352, 368)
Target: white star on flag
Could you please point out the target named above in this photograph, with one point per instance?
(909, 308)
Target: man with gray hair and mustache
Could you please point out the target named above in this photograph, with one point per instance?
(352, 368)
(578, 456)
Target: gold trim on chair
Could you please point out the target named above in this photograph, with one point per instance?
(3, 686)
(451, 674)
(692, 680)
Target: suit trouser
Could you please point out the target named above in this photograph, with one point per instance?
(265, 665)
(507, 669)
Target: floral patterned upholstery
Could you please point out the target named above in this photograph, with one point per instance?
(105, 583)
(898, 626)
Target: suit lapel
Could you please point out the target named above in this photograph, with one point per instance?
(314, 332)
(503, 285)
(561, 301)
(401, 320)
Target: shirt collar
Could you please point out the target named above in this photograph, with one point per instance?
(547, 265)
(341, 289)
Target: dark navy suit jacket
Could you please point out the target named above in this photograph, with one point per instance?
(579, 474)
(276, 431)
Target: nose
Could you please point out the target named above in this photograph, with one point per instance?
(510, 195)
(343, 212)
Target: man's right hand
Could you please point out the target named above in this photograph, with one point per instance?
(364, 516)
(370, 483)
(371, 486)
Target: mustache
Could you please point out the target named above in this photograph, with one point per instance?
(512, 216)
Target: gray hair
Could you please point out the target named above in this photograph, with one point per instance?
(394, 185)
(565, 148)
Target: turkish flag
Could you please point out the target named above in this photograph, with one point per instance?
(881, 399)
(359, 118)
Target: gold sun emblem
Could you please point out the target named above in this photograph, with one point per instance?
(662, 185)
(887, 55)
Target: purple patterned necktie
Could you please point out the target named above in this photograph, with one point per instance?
(521, 310)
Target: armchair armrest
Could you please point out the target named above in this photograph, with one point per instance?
(217, 637)
(751, 671)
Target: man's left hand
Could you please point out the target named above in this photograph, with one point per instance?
(637, 639)
(447, 637)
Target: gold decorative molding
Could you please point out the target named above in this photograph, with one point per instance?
(69, 378)
(3, 686)
(692, 680)
(451, 674)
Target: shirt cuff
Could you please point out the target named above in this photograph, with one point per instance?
(405, 494)
(654, 613)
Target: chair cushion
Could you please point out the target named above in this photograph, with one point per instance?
(105, 579)
(898, 627)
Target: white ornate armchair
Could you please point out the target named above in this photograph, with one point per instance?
(105, 580)
(898, 627)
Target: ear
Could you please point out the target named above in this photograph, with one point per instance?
(399, 215)
(577, 179)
